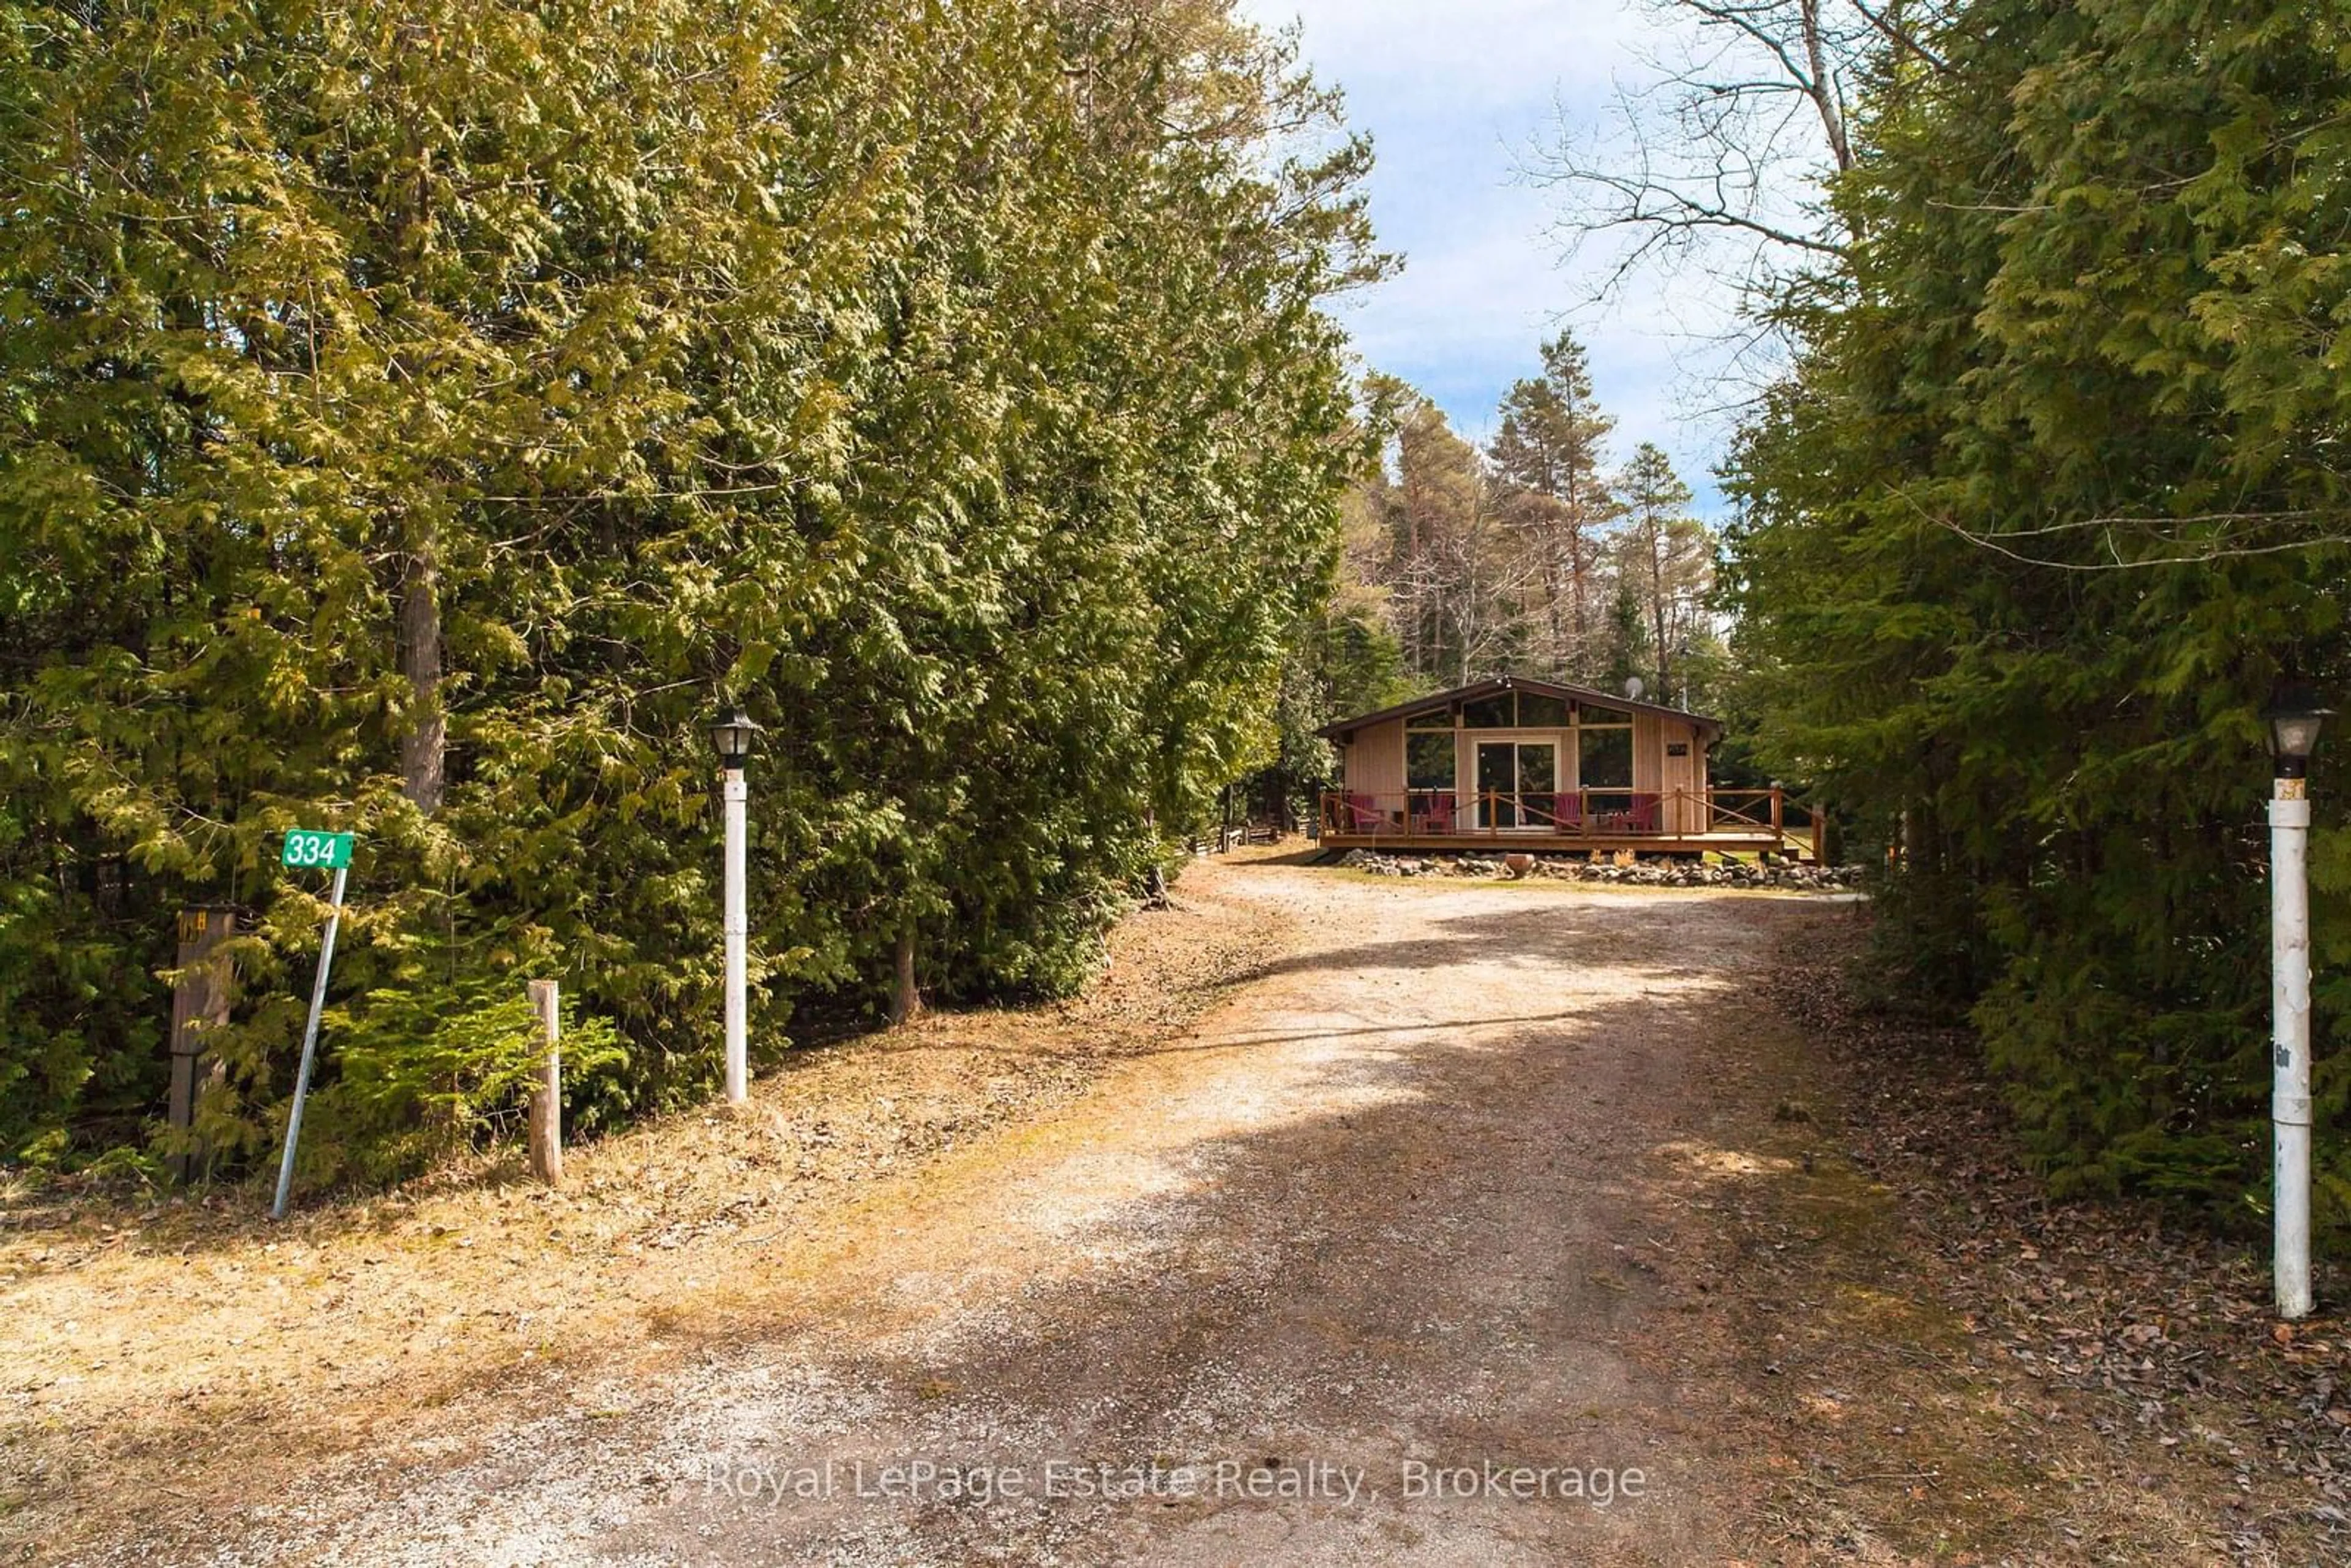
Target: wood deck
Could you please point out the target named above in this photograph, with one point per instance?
(1507, 841)
(1588, 822)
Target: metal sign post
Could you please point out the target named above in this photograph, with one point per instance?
(306, 848)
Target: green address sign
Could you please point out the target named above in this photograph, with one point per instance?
(309, 848)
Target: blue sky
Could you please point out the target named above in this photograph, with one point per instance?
(1455, 94)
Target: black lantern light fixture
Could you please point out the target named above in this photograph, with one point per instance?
(733, 734)
(2296, 716)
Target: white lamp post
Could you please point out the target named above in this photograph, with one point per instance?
(733, 736)
(2296, 717)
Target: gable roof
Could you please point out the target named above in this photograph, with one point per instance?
(1500, 684)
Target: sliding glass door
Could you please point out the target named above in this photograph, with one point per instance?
(1518, 783)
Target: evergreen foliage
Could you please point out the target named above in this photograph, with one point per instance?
(2052, 501)
(414, 420)
(1547, 458)
(1529, 557)
(1667, 568)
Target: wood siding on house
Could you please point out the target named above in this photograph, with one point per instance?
(1376, 759)
(1673, 808)
(1373, 763)
(1682, 777)
(1648, 754)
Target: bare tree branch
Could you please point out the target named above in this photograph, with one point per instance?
(2239, 536)
(1711, 146)
(1901, 38)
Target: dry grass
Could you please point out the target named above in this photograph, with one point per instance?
(1954, 1371)
(166, 1343)
(1885, 1348)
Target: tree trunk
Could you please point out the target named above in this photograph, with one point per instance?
(423, 750)
(906, 995)
(1657, 611)
(1576, 614)
(1821, 86)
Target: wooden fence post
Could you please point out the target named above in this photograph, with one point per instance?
(547, 1094)
(200, 1002)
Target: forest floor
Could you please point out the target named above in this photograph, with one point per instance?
(1331, 1184)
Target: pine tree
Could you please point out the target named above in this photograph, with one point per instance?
(1547, 457)
(1630, 656)
(1665, 557)
(1447, 548)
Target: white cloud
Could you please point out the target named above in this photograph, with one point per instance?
(1455, 96)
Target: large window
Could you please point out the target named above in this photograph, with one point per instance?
(1538, 712)
(1428, 761)
(1605, 758)
(1510, 710)
(1489, 713)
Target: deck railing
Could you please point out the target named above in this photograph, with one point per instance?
(1550, 813)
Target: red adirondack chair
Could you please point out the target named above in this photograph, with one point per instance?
(1437, 818)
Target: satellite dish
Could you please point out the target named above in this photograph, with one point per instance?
(1633, 687)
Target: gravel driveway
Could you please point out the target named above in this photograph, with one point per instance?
(1389, 1259)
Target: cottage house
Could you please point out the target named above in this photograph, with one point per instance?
(1540, 766)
